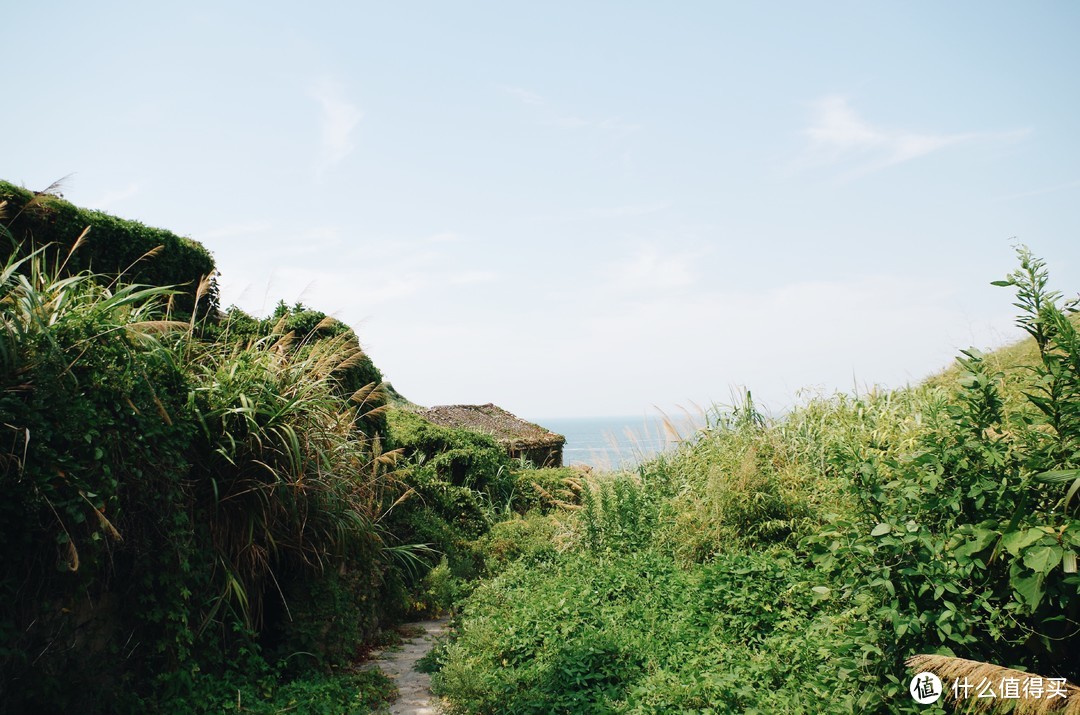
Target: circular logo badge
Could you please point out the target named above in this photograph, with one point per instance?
(925, 688)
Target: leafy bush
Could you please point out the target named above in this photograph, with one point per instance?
(282, 474)
(959, 537)
(89, 408)
(325, 620)
(145, 523)
(440, 590)
(262, 693)
(454, 478)
(534, 538)
(633, 632)
(111, 247)
(546, 489)
(458, 457)
(618, 515)
(357, 379)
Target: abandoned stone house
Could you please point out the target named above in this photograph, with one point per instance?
(520, 438)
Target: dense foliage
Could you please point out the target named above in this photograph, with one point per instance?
(793, 565)
(218, 512)
(463, 491)
(184, 505)
(109, 246)
(211, 512)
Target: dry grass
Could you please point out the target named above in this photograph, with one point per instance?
(1034, 692)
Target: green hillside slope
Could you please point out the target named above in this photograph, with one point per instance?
(792, 566)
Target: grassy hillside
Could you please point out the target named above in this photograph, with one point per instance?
(793, 566)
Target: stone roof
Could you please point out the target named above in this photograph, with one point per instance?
(495, 421)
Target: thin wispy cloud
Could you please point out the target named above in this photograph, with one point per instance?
(838, 134)
(629, 210)
(525, 96)
(444, 237)
(236, 229)
(338, 122)
(472, 277)
(1040, 192)
(556, 117)
(650, 269)
(613, 126)
(111, 198)
(605, 212)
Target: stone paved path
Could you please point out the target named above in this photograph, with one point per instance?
(415, 696)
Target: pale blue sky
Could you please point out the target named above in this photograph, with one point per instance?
(581, 208)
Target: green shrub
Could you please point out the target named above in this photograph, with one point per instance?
(358, 379)
(459, 457)
(324, 620)
(113, 246)
(534, 538)
(634, 632)
(546, 489)
(145, 522)
(959, 536)
(263, 693)
(282, 475)
(455, 477)
(90, 408)
(621, 514)
(440, 590)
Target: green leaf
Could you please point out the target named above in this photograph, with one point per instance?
(1043, 559)
(881, 529)
(982, 538)
(1002, 284)
(1029, 588)
(1071, 493)
(1057, 476)
(1015, 541)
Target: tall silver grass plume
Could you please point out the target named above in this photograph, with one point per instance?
(974, 672)
(75, 247)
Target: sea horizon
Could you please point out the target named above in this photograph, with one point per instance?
(617, 442)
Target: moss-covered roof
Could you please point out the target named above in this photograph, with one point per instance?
(495, 421)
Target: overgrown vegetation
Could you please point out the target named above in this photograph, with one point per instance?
(463, 492)
(793, 565)
(161, 491)
(109, 246)
(199, 507)
(207, 511)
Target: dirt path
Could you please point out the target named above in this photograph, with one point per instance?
(415, 696)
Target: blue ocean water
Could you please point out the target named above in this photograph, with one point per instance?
(614, 442)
